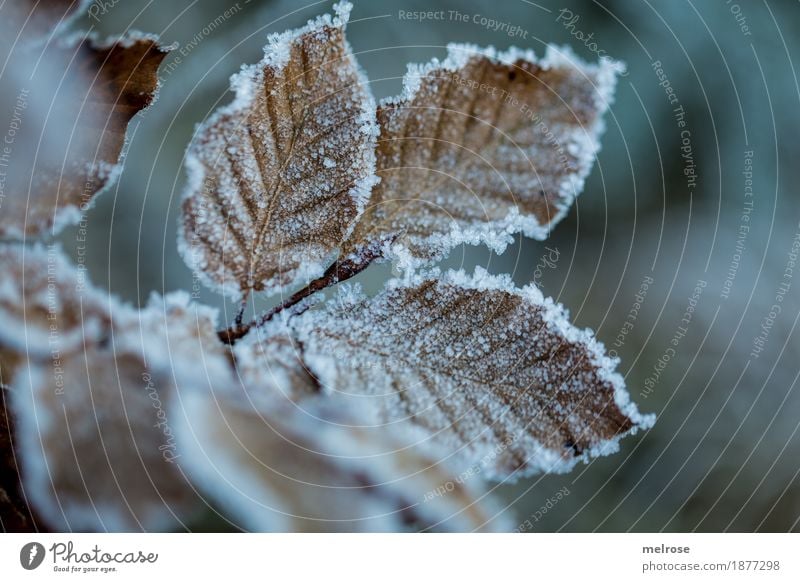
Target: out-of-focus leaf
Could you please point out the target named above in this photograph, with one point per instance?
(92, 400)
(46, 305)
(67, 105)
(37, 20)
(283, 457)
(16, 515)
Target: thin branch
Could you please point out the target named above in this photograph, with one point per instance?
(336, 273)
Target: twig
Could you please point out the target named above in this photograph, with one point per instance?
(336, 273)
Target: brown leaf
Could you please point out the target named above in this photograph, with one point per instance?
(69, 105)
(496, 375)
(92, 400)
(481, 146)
(282, 457)
(278, 177)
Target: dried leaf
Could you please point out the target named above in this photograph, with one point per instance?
(92, 402)
(278, 177)
(68, 105)
(282, 457)
(269, 365)
(496, 375)
(481, 146)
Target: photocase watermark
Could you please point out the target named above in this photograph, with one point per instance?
(744, 226)
(528, 113)
(547, 506)
(492, 24)
(664, 82)
(65, 558)
(169, 448)
(569, 20)
(548, 260)
(450, 486)
(679, 113)
(476, 469)
(53, 310)
(82, 235)
(31, 555)
(739, 16)
(195, 247)
(680, 332)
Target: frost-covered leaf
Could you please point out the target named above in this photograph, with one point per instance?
(282, 457)
(278, 177)
(92, 398)
(483, 145)
(67, 105)
(495, 374)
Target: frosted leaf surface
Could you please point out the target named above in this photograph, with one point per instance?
(41, 18)
(278, 177)
(481, 146)
(494, 374)
(16, 514)
(46, 305)
(280, 456)
(67, 105)
(93, 403)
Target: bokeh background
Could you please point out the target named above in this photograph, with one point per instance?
(725, 452)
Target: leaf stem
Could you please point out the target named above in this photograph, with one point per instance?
(336, 273)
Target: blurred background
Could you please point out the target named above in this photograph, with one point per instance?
(642, 245)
